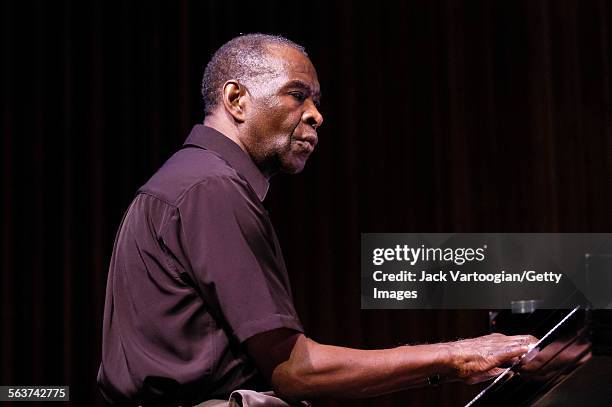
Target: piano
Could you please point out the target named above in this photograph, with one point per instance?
(573, 366)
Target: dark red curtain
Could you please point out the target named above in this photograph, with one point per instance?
(440, 116)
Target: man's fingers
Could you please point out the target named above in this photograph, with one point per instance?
(515, 346)
(509, 352)
(527, 339)
(496, 371)
(488, 375)
(511, 362)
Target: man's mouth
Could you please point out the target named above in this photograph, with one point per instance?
(307, 142)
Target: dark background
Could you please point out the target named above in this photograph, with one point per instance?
(440, 116)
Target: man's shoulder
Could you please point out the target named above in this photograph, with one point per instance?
(186, 169)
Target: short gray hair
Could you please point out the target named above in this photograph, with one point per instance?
(245, 58)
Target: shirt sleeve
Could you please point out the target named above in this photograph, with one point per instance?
(235, 258)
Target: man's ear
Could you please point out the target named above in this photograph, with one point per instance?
(235, 99)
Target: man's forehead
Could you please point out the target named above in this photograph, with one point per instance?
(297, 66)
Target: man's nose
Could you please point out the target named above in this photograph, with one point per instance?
(312, 116)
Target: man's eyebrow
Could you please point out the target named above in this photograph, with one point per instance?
(296, 83)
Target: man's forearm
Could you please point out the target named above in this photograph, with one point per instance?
(315, 370)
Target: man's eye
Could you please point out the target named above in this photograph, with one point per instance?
(298, 96)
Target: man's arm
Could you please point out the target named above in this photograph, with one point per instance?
(299, 368)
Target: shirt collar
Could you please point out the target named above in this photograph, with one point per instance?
(210, 139)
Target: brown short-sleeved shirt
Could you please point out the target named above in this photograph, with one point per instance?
(196, 270)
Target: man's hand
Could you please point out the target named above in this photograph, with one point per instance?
(479, 359)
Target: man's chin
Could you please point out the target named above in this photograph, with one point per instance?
(293, 167)
(292, 170)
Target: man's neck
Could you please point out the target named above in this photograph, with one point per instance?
(230, 131)
(223, 127)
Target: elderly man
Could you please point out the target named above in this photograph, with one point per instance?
(198, 301)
